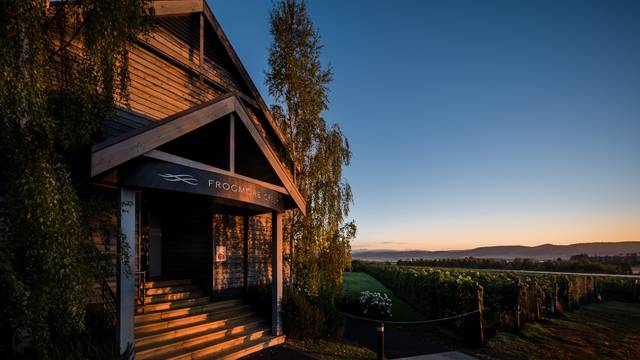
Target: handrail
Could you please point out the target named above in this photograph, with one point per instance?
(142, 285)
(105, 285)
(109, 306)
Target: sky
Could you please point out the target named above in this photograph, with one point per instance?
(477, 123)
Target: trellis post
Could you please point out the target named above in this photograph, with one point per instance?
(480, 307)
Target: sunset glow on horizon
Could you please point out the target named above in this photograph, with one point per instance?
(469, 236)
(460, 231)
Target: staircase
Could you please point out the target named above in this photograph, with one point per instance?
(180, 322)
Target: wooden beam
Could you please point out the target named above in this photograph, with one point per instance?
(232, 144)
(201, 40)
(213, 249)
(276, 274)
(245, 238)
(120, 152)
(125, 282)
(112, 153)
(272, 159)
(177, 7)
(161, 155)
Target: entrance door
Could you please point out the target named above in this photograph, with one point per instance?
(155, 245)
(186, 241)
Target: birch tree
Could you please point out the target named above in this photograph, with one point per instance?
(320, 241)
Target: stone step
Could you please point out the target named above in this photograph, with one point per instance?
(191, 310)
(248, 348)
(194, 340)
(209, 349)
(219, 318)
(166, 283)
(176, 304)
(151, 299)
(170, 289)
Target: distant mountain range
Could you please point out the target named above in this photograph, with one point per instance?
(541, 252)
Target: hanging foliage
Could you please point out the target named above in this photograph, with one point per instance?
(63, 66)
(298, 82)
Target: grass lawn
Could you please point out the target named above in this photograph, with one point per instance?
(597, 331)
(332, 349)
(357, 282)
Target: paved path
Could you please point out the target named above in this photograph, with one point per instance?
(449, 355)
(280, 352)
(396, 344)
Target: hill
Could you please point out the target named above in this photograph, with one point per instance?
(541, 252)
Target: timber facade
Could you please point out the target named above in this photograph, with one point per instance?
(201, 178)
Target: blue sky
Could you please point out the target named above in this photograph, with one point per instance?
(476, 123)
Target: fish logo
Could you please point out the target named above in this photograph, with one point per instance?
(185, 178)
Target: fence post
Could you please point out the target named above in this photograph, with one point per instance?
(569, 294)
(553, 299)
(480, 303)
(380, 329)
(536, 293)
(516, 309)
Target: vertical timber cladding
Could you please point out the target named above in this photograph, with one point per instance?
(166, 77)
(228, 275)
(259, 251)
(229, 232)
(260, 241)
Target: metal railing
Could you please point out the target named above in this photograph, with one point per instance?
(109, 301)
(141, 286)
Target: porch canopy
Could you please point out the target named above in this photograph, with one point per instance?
(215, 150)
(212, 149)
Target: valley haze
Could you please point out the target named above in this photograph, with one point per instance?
(540, 252)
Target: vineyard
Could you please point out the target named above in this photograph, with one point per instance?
(507, 299)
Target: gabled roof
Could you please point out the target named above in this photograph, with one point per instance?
(185, 7)
(118, 150)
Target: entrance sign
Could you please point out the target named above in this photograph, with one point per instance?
(185, 178)
(156, 174)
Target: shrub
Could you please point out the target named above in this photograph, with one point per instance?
(375, 305)
(308, 317)
(96, 342)
(334, 323)
(302, 318)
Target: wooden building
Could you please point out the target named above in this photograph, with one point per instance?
(202, 176)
